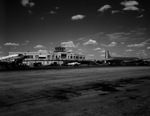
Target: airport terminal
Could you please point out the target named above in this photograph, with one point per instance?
(60, 57)
(47, 58)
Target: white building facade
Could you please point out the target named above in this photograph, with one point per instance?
(48, 58)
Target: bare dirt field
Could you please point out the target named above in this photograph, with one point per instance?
(104, 91)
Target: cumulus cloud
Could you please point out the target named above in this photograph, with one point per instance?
(148, 47)
(142, 44)
(129, 50)
(114, 11)
(27, 3)
(70, 50)
(130, 5)
(43, 51)
(103, 8)
(11, 44)
(140, 16)
(25, 43)
(137, 45)
(52, 12)
(78, 17)
(112, 44)
(103, 55)
(93, 36)
(122, 42)
(131, 8)
(141, 52)
(68, 44)
(90, 42)
(97, 49)
(102, 51)
(39, 46)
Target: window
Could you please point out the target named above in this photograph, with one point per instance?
(42, 57)
(48, 56)
(36, 56)
(63, 55)
(30, 56)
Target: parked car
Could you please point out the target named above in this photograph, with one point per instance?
(73, 64)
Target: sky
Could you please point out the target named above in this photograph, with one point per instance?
(86, 27)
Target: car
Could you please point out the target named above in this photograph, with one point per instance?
(73, 64)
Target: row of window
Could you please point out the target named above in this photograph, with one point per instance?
(56, 57)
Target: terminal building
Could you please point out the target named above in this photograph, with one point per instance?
(59, 56)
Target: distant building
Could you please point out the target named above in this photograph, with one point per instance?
(46, 58)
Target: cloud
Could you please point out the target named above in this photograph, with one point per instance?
(130, 5)
(102, 51)
(141, 52)
(92, 36)
(142, 44)
(81, 51)
(30, 12)
(97, 49)
(140, 16)
(39, 46)
(25, 43)
(78, 17)
(68, 44)
(131, 8)
(43, 51)
(115, 54)
(70, 50)
(11, 44)
(137, 45)
(129, 50)
(92, 42)
(42, 18)
(148, 47)
(112, 44)
(123, 36)
(118, 36)
(27, 3)
(90, 56)
(147, 41)
(122, 42)
(56, 8)
(103, 55)
(103, 8)
(52, 12)
(114, 11)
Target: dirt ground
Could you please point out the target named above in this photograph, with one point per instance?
(115, 91)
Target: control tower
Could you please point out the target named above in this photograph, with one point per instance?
(60, 49)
